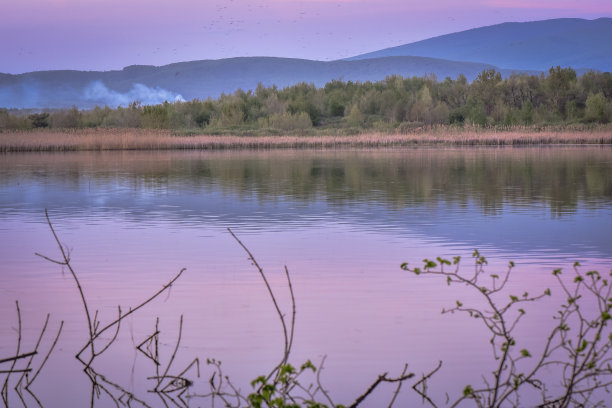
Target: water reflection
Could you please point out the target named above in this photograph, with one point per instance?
(342, 221)
(559, 176)
(504, 197)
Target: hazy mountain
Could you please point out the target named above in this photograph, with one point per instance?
(207, 78)
(536, 45)
(508, 47)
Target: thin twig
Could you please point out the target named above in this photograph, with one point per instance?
(423, 382)
(293, 313)
(131, 311)
(149, 353)
(4, 390)
(59, 331)
(112, 340)
(6, 360)
(273, 297)
(319, 385)
(42, 333)
(178, 342)
(66, 262)
(399, 387)
(381, 378)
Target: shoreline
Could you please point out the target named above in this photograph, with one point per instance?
(141, 139)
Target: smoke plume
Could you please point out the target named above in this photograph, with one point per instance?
(99, 94)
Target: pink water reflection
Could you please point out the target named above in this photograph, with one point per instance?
(354, 304)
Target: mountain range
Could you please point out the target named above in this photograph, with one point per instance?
(531, 47)
(535, 45)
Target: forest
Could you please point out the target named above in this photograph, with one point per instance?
(396, 104)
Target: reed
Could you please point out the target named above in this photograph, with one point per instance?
(139, 139)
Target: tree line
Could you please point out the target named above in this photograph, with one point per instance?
(560, 97)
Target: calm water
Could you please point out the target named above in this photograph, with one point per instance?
(342, 222)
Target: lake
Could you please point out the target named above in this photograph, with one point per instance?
(342, 221)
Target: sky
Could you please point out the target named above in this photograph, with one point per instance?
(104, 35)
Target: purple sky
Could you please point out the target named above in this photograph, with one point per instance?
(110, 34)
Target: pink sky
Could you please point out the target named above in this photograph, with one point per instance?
(111, 34)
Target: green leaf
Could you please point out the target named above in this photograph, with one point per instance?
(457, 259)
(514, 298)
(547, 292)
(468, 390)
(525, 353)
(255, 400)
(428, 264)
(267, 391)
(511, 264)
(593, 274)
(259, 380)
(443, 261)
(459, 304)
(404, 266)
(557, 271)
(308, 364)
(576, 264)
(578, 279)
(287, 369)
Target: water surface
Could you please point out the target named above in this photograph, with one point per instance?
(342, 221)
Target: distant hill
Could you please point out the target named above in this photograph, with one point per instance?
(207, 78)
(510, 47)
(536, 45)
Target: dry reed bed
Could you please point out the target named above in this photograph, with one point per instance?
(138, 139)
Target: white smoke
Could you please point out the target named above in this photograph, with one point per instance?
(100, 94)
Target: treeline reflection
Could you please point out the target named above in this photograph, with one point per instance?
(558, 177)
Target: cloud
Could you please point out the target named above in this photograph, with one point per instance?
(100, 94)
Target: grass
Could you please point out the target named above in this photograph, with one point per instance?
(141, 139)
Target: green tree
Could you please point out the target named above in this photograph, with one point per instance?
(39, 120)
(232, 112)
(527, 113)
(355, 117)
(559, 86)
(485, 89)
(66, 119)
(597, 108)
(156, 116)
